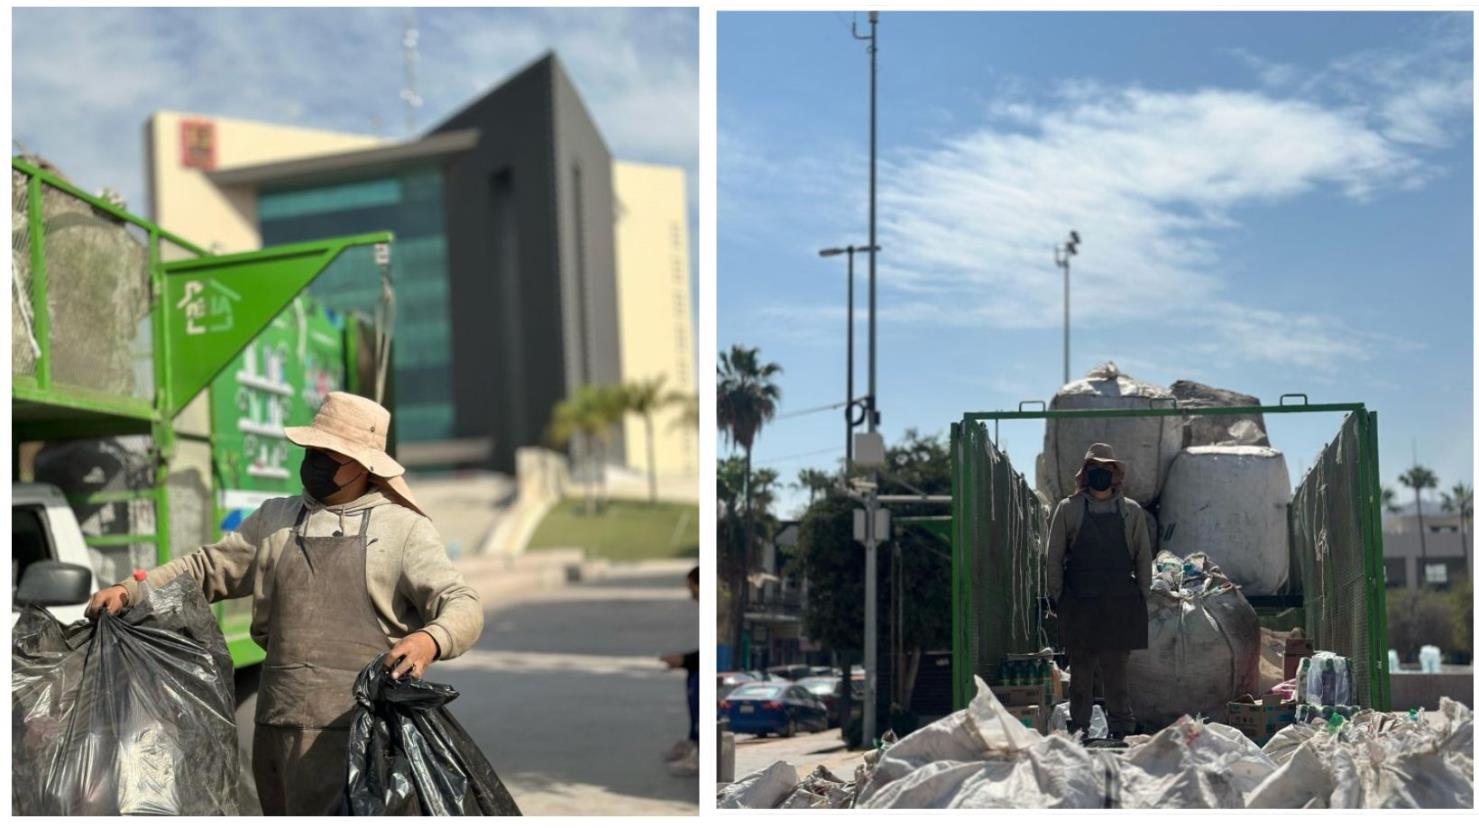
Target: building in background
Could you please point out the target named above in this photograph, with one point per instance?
(1444, 539)
(652, 287)
(510, 292)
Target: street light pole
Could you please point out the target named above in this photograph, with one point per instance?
(847, 409)
(870, 612)
(1061, 256)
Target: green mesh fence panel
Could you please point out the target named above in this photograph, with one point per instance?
(998, 538)
(97, 297)
(24, 348)
(1332, 544)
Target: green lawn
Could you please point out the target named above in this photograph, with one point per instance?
(626, 530)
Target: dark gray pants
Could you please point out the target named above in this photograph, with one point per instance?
(1111, 666)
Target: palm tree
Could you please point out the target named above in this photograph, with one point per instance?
(1460, 499)
(645, 398)
(1389, 501)
(589, 415)
(1418, 478)
(687, 413)
(815, 482)
(609, 404)
(746, 401)
(570, 428)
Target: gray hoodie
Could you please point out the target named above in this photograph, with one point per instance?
(413, 585)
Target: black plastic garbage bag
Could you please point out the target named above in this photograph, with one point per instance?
(409, 757)
(130, 714)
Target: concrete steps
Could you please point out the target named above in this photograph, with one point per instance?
(504, 576)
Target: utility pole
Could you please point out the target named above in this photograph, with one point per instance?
(847, 411)
(870, 613)
(1061, 256)
(409, 37)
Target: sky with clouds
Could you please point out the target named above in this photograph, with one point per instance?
(85, 80)
(1270, 202)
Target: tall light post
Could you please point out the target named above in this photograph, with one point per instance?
(870, 597)
(847, 412)
(1061, 255)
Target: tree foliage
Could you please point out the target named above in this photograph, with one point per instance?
(833, 563)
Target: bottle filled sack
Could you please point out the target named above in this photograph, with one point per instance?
(129, 714)
(409, 757)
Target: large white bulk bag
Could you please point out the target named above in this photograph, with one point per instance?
(1204, 430)
(1231, 502)
(1203, 645)
(1146, 445)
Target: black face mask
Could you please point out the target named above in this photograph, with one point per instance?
(1100, 479)
(317, 474)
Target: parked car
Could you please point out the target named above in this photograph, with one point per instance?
(789, 672)
(729, 681)
(764, 707)
(828, 690)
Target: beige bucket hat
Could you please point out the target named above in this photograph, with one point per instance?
(356, 427)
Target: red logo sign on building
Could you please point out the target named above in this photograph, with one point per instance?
(198, 145)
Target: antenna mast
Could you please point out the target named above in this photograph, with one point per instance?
(409, 95)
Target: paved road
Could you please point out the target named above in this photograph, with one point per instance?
(568, 700)
(805, 751)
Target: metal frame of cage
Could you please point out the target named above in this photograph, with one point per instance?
(970, 519)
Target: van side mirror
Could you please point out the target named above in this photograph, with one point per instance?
(54, 584)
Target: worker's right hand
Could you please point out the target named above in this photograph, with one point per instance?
(113, 600)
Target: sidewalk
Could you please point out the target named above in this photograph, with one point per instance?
(806, 751)
(566, 696)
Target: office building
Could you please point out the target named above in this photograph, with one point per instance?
(507, 286)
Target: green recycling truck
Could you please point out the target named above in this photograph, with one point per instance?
(151, 380)
(1337, 584)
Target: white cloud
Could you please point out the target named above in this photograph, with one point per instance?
(1154, 180)
(85, 80)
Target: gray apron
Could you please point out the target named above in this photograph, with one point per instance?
(1101, 608)
(322, 632)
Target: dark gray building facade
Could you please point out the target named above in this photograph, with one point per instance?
(532, 253)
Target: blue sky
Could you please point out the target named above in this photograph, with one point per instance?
(85, 80)
(1269, 202)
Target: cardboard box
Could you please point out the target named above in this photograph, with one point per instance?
(1258, 719)
(1294, 650)
(1021, 695)
(1034, 716)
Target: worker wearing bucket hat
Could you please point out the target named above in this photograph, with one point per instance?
(347, 570)
(1098, 574)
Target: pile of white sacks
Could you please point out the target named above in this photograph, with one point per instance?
(1209, 484)
(982, 757)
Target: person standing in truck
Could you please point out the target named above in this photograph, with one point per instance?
(1098, 579)
(348, 570)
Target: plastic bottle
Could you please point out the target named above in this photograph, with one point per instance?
(142, 578)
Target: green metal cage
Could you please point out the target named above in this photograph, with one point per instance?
(118, 324)
(1337, 574)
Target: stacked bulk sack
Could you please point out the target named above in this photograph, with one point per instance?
(1146, 445)
(1232, 503)
(1204, 644)
(131, 714)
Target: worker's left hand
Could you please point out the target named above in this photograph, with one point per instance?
(411, 654)
(673, 660)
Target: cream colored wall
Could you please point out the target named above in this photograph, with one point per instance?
(186, 202)
(655, 307)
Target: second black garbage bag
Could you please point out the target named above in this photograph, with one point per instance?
(409, 757)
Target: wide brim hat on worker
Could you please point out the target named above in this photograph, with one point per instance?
(1103, 454)
(356, 428)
